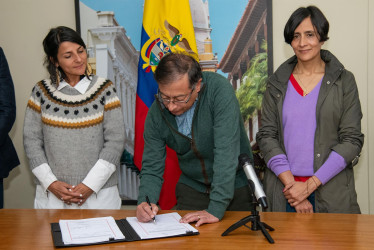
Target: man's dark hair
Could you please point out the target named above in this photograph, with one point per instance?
(319, 21)
(175, 65)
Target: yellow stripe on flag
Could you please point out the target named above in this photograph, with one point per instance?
(169, 26)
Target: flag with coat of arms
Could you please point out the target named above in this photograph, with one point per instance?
(167, 27)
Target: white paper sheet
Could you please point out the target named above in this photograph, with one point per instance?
(166, 225)
(89, 230)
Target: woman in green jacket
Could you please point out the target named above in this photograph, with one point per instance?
(311, 125)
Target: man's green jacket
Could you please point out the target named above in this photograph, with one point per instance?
(208, 160)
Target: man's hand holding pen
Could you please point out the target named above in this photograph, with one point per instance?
(146, 212)
(149, 204)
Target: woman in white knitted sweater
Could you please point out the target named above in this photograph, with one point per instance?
(73, 130)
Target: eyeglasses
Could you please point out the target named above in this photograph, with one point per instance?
(176, 99)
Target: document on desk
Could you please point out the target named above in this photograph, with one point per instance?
(167, 225)
(88, 231)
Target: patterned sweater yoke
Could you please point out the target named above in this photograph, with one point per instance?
(71, 131)
(62, 108)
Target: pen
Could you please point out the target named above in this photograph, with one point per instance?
(149, 203)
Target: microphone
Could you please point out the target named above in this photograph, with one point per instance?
(254, 183)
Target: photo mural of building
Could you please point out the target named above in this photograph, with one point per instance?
(113, 56)
(248, 62)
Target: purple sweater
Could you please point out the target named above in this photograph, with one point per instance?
(299, 124)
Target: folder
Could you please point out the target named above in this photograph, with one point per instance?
(125, 227)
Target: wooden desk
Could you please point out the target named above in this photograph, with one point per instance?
(30, 229)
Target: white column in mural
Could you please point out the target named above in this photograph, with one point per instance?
(124, 100)
(117, 79)
(127, 97)
(131, 108)
(102, 57)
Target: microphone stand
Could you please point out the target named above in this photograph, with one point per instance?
(254, 218)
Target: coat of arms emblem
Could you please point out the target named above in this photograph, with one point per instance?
(161, 43)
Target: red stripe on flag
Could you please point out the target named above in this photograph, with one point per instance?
(141, 111)
(171, 176)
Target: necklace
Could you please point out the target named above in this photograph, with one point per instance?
(303, 86)
(305, 89)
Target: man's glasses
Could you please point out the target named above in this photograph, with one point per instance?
(176, 99)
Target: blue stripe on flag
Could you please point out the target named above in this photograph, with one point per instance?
(147, 86)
